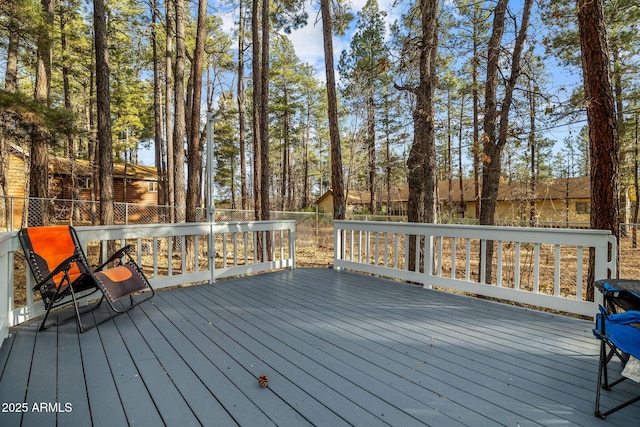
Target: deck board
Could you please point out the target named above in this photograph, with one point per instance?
(171, 406)
(320, 366)
(15, 376)
(195, 393)
(339, 348)
(75, 391)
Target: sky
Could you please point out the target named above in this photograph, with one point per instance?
(308, 43)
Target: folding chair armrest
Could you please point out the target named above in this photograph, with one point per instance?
(116, 255)
(63, 266)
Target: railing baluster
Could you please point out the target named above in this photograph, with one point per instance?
(235, 249)
(579, 273)
(196, 244)
(516, 266)
(396, 250)
(440, 255)
(352, 244)
(224, 250)
(453, 257)
(536, 268)
(183, 258)
(154, 254)
(281, 245)
(467, 263)
(367, 242)
(245, 236)
(499, 265)
(556, 273)
(483, 264)
(170, 256)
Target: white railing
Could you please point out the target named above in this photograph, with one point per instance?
(162, 250)
(537, 266)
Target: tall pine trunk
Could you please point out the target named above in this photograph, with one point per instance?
(158, 141)
(69, 140)
(421, 164)
(194, 141)
(11, 85)
(337, 183)
(601, 118)
(39, 152)
(256, 66)
(103, 106)
(179, 129)
(195, 148)
(241, 108)
(265, 171)
(168, 121)
(371, 150)
(476, 113)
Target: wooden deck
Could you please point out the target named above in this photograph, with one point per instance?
(338, 348)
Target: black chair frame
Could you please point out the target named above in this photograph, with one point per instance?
(71, 291)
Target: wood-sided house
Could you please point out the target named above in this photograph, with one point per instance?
(133, 184)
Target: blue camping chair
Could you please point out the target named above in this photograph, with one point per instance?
(618, 328)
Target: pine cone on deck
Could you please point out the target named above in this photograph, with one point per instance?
(263, 380)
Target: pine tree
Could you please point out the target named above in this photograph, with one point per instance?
(103, 104)
(364, 67)
(334, 21)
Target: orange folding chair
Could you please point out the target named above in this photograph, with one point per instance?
(60, 268)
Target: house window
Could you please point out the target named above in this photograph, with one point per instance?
(583, 208)
(152, 186)
(82, 182)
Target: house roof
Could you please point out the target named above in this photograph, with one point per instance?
(62, 166)
(550, 189)
(356, 197)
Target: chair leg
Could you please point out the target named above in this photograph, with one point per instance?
(77, 314)
(49, 306)
(42, 326)
(602, 372)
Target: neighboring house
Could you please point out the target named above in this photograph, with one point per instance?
(556, 200)
(139, 187)
(356, 201)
